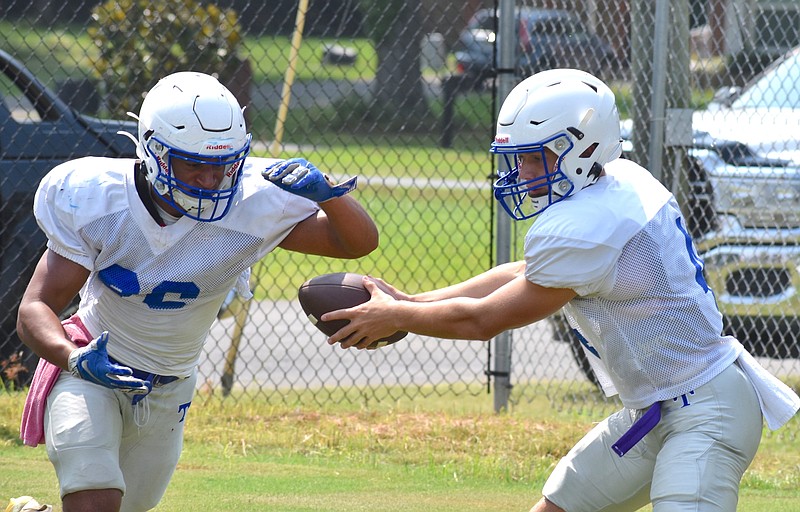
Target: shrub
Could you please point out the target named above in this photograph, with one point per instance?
(141, 41)
(13, 373)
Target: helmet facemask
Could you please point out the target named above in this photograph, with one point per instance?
(196, 203)
(191, 117)
(568, 112)
(524, 199)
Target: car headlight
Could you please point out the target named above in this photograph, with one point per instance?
(759, 201)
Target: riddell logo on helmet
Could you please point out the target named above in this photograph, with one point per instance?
(502, 139)
(232, 170)
(217, 147)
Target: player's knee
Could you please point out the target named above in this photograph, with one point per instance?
(545, 505)
(93, 500)
(138, 503)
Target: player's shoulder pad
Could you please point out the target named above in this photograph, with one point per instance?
(251, 172)
(85, 188)
(260, 199)
(253, 183)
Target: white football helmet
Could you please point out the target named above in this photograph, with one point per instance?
(568, 111)
(193, 117)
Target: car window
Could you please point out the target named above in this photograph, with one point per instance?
(569, 28)
(556, 27)
(22, 110)
(779, 88)
(484, 23)
(546, 28)
(777, 28)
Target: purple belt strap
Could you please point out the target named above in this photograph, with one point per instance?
(638, 430)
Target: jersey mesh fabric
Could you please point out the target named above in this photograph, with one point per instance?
(158, 307)
(642, 302)
(657, 331)
(157, 289)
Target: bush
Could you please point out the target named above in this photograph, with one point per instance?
(141, 41)
(13, 373)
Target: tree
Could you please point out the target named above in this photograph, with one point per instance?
(398, 97)
(140, 41)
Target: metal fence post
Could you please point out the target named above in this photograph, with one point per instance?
(506, 46)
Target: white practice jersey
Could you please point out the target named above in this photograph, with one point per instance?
(643, 306)
(155, 289)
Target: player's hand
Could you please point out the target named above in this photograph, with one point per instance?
(391, 290)
(91, 363)
(367, 322)
(300, 177)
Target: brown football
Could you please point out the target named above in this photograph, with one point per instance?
(330, 292)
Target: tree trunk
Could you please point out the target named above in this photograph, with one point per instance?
(398, 93)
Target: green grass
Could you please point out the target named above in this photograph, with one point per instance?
(440, 453)
(51, 54)
(67, 50)
(435, 248)
(270, 58)
(397, 161)
(54, 54)
(48, 49)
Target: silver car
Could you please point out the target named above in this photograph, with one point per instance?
(744, 210)
(747, 149)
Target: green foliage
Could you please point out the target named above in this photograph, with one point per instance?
(140, 41)
(380, 16)
(12, 372)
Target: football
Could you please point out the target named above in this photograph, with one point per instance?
(330, 292)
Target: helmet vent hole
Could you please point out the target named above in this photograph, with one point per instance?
(578, 171)
(589, 151)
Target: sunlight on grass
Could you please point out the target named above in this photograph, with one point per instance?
(418, 250)
(396, 161)
(393, 454)
(276, 49)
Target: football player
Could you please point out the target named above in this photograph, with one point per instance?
(154, 245)
(610, 246)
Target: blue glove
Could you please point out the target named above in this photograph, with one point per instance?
(300, 177)
(91, 363)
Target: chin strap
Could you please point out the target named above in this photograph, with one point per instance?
(143, 189)
(595, 172)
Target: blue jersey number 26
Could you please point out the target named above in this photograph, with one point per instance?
(125, 283)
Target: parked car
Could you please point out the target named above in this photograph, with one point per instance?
(747, 147)
(547, 38)
(744, 209)
(37, 131)
(764, 32)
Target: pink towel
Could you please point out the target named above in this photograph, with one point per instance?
(31, 429)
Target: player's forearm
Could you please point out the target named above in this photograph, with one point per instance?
(354, 230)
(478, 286)
(457, 318)
(41, 331)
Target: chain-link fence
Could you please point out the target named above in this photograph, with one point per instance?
(404, 95)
